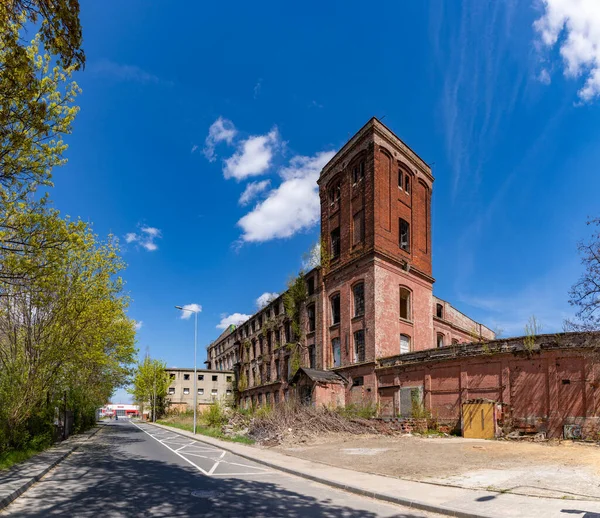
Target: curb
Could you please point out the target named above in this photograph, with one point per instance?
(406, 502)
(20, 490)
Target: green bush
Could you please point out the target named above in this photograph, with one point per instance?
(215, 415)
(364, 410)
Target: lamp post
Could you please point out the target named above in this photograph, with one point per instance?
(195, 370)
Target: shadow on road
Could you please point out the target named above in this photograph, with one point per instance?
(115, 476)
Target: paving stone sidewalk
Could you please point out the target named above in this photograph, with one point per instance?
(20, 477)
(451, 501)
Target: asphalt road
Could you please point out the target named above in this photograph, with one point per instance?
(130, 469)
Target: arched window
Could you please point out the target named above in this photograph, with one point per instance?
(440, 340)
(335, 191)
(407, 183)
(405, 303)
(404, 344)
(439, 311)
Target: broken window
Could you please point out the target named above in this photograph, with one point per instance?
(359, 299)
(358, 228)
(359, 346)
(215, 378)
(404, 235)
(171, 390)
(200, 391)
(404, 344)
(228, 379)
(335, 192)
(358, 172)
(214, 392)
(337, 352)
(359, 381)
(404, 303)
(277, 337)
(200, 377)
(269, 342)
(310, 284)
(335, 309)
(310, 310)
(228, 392)
(277, 369)
(276, 309)
(312, 357)
(439, 310)
(407, 183)
(440, 340)
(171, 376)
(186, 377)
(335, 243)
(186, 391)
(288, 332)
(259, 321)
(454, 341)
(400, 177)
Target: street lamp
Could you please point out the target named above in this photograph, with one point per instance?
(195, 311)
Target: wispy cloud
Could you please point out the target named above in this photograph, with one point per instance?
(123, 72)
(545, 297)
(257, 88)
(574, 27)
(189, 310)
(480, 90)
(146, 237)
(222, 130)
(253, 157)
(252, 190)
(138, 324)
(235, 319)
(292, 207)
(265, 298)
(194, 148)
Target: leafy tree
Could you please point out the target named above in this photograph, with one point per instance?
(64, 333)
(585, 293)
(150, 384)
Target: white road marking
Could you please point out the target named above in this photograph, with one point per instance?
(211, 472)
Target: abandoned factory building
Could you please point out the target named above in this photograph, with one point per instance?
(367, 328)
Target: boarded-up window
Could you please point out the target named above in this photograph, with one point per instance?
(404, 344)
(358, 228)
(411, 401)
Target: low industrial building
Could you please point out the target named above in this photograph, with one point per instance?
(212, 385)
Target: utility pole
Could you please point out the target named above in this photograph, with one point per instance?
(154, 408)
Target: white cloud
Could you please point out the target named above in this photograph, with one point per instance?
(146, 238)
(265, 298)
(194, 148)
(544, 77)
(257, 87)
(189, 310)
(574, 26)
(138, 324)
(292, 207)
(222, 130)
(252, 190)
(235, 319)
(253, 156)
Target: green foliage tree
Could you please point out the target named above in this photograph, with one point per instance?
(293, 302)
(150, 384)
(64, 334)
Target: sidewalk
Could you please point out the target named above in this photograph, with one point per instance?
(451, 501)
(20, 477)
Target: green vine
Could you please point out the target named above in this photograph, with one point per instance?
(293, 302)
(243, 382)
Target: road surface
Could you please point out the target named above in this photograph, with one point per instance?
(135, 469)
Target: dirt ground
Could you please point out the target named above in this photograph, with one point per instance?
(560, 470)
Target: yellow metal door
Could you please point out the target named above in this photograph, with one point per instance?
(478, 420)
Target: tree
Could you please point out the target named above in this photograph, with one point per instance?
(63, 334)
(585, 293)
(150, 384)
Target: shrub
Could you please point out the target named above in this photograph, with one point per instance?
(215, 415)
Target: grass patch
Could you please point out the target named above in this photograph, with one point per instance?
(209, 431)
(12, 457)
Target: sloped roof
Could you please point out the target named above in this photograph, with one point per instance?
(319, 376)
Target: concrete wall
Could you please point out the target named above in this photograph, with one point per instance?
(178, 399)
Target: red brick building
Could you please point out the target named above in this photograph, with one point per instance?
(372, 298)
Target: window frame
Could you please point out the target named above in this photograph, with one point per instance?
(401, 223)
(439, 337)
(311, 317)
(360, 215)
(357, 359)
(336, 243)
(339, 309)
(334, 341)
(408, 341)
(361, 285)
(408, 318)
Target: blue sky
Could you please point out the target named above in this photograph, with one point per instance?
(185, 110)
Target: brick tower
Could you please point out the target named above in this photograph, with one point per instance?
(376, 228)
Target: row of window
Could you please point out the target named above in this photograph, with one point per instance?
(358, 173)
(186, 377)
(358, 297)
(186, 391)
